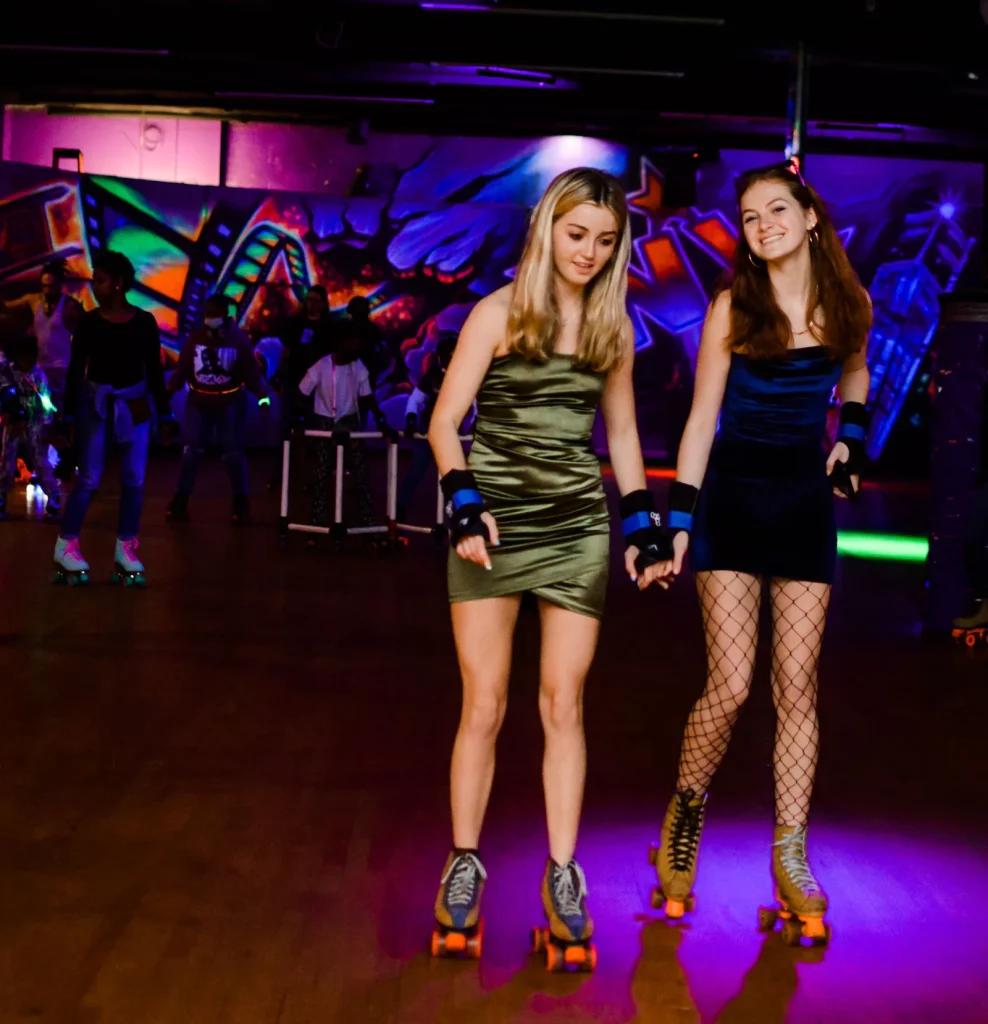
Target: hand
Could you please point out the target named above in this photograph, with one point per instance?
(474, 549)
(655, 573)
(662, 573)
(841, 453)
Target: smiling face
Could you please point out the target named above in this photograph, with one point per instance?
(583, 240)
(775, 224)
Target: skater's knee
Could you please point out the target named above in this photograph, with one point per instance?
(482, 716)
(561, 709)
(729, 691)
(795, 693)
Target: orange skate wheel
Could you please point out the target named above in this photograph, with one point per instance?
(657, 898)
(675, 909)
(792, 931)
(438, 946)
(475, 945)
(653, 855)
(575, 955)
(538, 942)
(591, 964)
(553, 957)
(767, 917)
(690, 903)
(971, 639)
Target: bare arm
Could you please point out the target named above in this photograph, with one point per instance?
(480, 339)
(712, 366)
(618, 407)
(855, 380)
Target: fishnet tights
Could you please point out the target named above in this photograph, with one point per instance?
(730, 603)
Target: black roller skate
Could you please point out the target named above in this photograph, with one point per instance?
(972, 629)
(70, 566)
(128, 569)
(178, 509)
(241, 510)
(459, 926)
(566, 941)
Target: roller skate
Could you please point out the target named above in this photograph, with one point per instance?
(70, 566)
(459, 927)
(53, 507)
(802, 903)
(127, 567)
(674, 859)
(178, 509)
(241, 510)
(566, 940)
(973, 629)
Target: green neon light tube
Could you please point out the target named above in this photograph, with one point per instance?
(886, 546)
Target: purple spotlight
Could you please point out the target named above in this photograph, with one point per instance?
(947, 211)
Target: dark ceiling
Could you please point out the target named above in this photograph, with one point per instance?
(688, 71)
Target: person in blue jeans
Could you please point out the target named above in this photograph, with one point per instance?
(217, 362)
(114, 391)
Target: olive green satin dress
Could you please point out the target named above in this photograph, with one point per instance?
(537, 471)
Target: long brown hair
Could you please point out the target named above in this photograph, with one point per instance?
(758, 326)
(533, 319)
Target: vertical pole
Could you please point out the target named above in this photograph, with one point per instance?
(393, 489)
(796, 110)
(286, 459)
(338, 515)
(224, 151)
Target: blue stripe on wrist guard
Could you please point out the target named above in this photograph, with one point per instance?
(466, 496)
(680, 520)
(636, 521)
(851, 431)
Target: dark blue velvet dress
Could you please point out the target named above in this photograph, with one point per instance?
(766, 507)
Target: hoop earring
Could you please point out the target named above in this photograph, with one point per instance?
(814, 237)
(751, 260)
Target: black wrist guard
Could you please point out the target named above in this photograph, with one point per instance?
(682, 502)
(852, 431)
(464, 506)
(642, 528)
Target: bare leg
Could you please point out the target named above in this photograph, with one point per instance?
(483, 631)
(569, 641)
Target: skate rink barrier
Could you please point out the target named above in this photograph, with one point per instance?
(391, 530)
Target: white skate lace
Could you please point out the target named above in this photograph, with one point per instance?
(793, 858)
(686, 831)
(567, 896)
(462, 880)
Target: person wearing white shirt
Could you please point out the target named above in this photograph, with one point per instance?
(342, 393)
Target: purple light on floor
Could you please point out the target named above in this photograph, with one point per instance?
(453, 7)
(901, 897)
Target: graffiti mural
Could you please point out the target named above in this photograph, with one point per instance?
(449, 230)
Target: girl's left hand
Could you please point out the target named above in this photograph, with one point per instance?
(652, 573)
(841, 453)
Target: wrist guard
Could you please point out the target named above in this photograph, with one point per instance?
(682, 502)
(642, 528)
(464, 506)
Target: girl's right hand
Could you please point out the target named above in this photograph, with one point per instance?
(670, 570)
(474, 549)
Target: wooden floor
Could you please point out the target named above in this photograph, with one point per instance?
(223, 800)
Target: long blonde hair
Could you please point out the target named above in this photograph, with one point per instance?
(533, 319)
